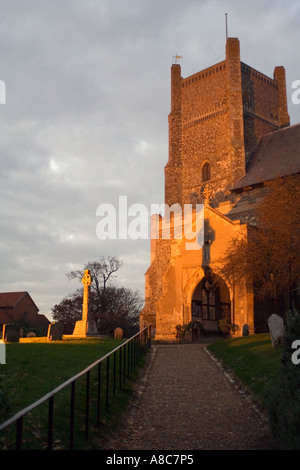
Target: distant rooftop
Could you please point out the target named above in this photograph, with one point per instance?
(10, 299)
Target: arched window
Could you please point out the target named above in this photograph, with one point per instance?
(206, 172)
(208, 304)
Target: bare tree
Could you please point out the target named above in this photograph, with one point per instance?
(101, 272)
(269, 255)
(110, 305)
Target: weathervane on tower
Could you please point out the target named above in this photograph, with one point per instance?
(176, 58)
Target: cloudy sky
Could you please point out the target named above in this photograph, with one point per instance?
(86, 118)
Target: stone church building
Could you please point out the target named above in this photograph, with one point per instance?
(229, 133)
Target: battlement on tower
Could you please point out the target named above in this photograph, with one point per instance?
(217, 117)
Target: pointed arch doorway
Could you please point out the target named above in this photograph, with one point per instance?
(210, 303)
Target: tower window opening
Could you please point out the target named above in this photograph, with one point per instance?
(206, 172)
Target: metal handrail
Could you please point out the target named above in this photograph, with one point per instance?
(18, 417)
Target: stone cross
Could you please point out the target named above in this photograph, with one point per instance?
(207, 192)
(86, 281)
(86, 326)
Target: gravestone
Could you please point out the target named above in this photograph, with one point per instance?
(276, 328)
(118, 333)
(10, 333)
(55, 331)
(31, 334)
(245, 330)
(2, 352)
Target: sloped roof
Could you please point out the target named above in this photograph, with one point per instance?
(11, 299)
(40, 321)
(4, 318)
(276, 155)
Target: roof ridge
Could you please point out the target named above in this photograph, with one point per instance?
(276, 154)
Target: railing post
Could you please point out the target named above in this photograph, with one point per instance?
(99, 395)
(141, 344)
(134, 352)
(128, 360)
(19, 433)
(72, 409)
(124, 368)
(87, 404)
(138, 348)
(114, 374)
(50, 424)
(130, 357)
(120, 368)
(107, 381)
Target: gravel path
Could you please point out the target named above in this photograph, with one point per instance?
(185, 401)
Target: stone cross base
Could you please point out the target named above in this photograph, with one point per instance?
(85, 328)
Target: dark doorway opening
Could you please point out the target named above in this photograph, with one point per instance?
(210, 303)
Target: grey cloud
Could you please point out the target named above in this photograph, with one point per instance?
(86, 119)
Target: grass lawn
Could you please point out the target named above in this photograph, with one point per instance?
(34, 369)
(253, 360)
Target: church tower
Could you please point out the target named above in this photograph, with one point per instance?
(217, 117)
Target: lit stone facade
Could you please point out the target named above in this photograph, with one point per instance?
(217, 118)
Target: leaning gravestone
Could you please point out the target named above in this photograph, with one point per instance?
(10, 333)
(276, 328)
(55, 331)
